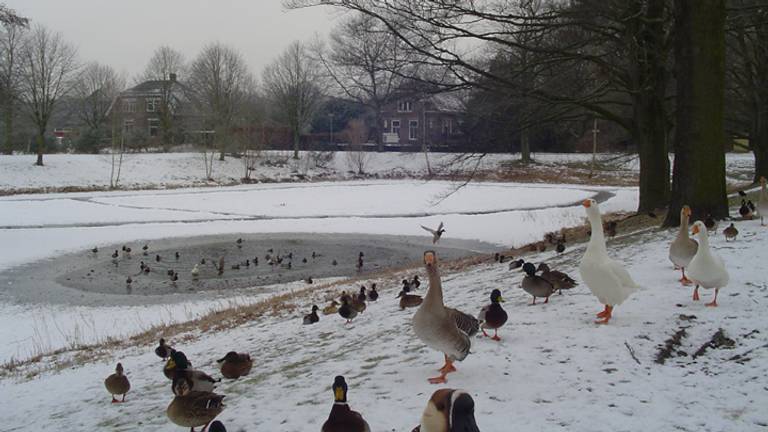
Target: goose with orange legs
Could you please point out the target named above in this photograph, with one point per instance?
(608, 280)
(707, 269)
(439, 327)
(683, 248)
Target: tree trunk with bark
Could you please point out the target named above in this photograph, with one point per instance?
(525, 146)
(40, 147)
(699, 169)
(653, 149)
(758, 143)
(8, 119)
(296, 140)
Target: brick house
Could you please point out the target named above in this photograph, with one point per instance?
(153, 112)
(412, 122)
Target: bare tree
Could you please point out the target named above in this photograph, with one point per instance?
(165, 62)
(9, 17)
(357, 157)
(11, 40)
(624, 44)
(95, 90)
(166, 66)
(367, 63)
(49, 65)
(221, 83)
(294, 84)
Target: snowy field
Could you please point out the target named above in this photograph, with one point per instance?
(168, 170)
(36, 228)
(553, 370)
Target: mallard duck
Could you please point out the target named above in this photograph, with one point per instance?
(559, 280)
(95, 250)
(217, 426)
(608, 280)
(536, 285)
(707, 269)
(710, 223)
(115, 255)
(436, 233)
(516, 264)
(163, 351)
(560, 246)
(436, 325)
(178, 367)
(408, 300)
(406, 286)
(762, 203)
(373, 295)
(342, 418)
(745, 211)
(311, 317)
(129, 280)
(493, 316)
(361, 296)
(346, 310)
(449, 410)
(334, 262)
(415, 282)
(158, 258)
(117, 384)
(358, 304)
(730, 232)
(191, 408)
(195, 272)
(611, 228)
(234, 365)
(332, 308)
(683, 248)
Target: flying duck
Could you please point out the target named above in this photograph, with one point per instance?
(436, 234)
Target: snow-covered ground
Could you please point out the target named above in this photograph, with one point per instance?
(36, 228)
(553, 370)
(160, 170)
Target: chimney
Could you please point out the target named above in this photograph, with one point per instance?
(172, 77)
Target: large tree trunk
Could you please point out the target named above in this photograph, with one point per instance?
(8, 118)
(650, 137)
(699, 170)
(525, 146)
(296, 139)
(758, 142)
(40, 147)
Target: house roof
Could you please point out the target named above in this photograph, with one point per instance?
(449, 102)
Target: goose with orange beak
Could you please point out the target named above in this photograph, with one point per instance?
(608, 280)
(683, 248)
(707, 269)
(440, 328)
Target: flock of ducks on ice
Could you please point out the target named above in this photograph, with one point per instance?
(448, 330)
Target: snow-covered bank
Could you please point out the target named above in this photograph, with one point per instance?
(554, 369)
(171, 170)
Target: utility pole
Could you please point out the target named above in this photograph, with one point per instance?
(595, 131)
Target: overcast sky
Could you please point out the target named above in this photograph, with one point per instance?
(124, 33)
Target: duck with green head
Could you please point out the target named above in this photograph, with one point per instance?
(342, 418)
(493, 316)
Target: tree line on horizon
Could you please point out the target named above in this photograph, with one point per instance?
(661, 76)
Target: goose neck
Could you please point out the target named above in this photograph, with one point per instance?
(435, 292)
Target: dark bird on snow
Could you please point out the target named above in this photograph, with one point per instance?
(312, 317)
(95, 250)
(730, 232)
(436, 234)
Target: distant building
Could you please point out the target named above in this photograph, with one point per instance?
(154, 111)
(413, 122)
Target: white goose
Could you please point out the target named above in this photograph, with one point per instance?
(608, 280)
(706, 268)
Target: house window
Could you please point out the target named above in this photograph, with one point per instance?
(129, 106)
(396, 127)
(128, 125)
(153, 127)
(404, 107)
(153, 104)
(447, 126)
(413, 129)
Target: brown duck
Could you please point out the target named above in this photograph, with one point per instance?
(409, 300)
(194, 408)
(234, 365)
(117, 384)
